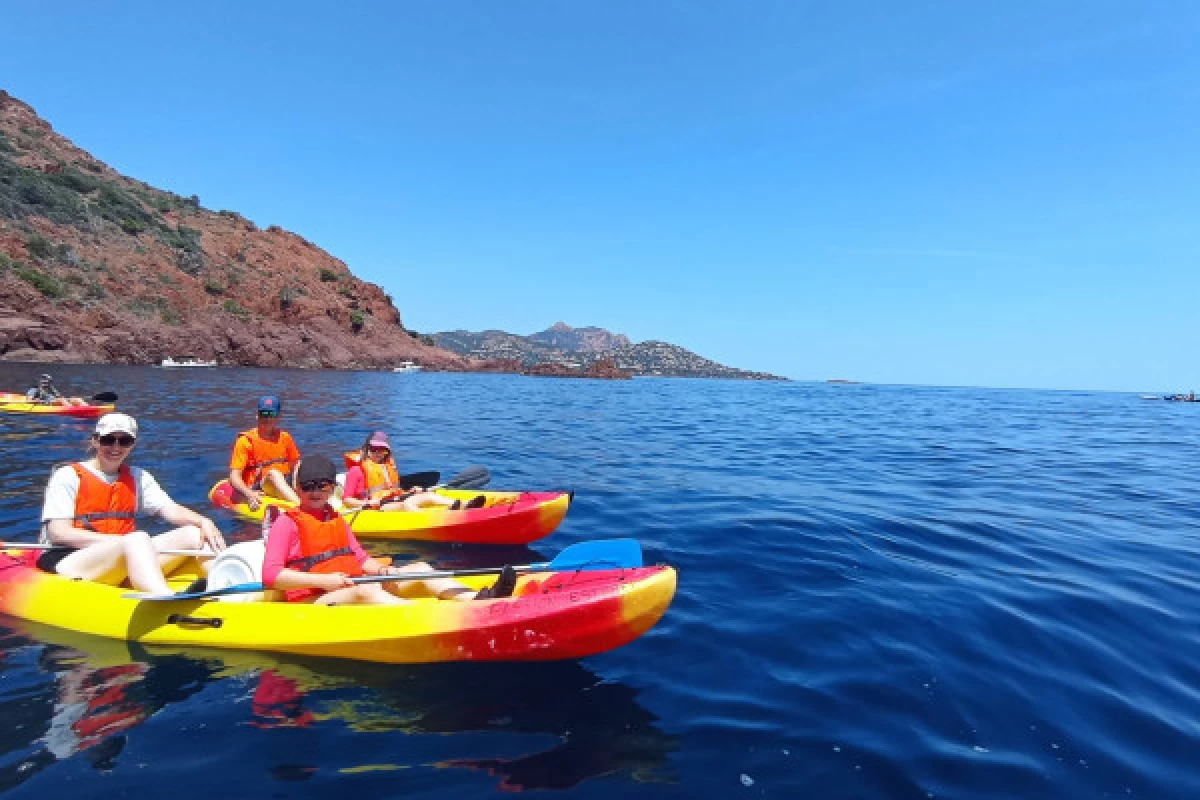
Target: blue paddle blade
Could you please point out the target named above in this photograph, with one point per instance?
(602, 554)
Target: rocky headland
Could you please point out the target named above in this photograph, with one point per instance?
(96, 267)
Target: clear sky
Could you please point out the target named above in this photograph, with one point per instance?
(964, 192)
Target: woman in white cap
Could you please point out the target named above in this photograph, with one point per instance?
(91, 506)
(374, 482)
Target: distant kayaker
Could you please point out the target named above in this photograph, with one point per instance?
(374, 482)
(312, 554)
(264, 457)
(91, 506)
(47, 392)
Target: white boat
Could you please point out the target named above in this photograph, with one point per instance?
(187, 361)
(408, 366)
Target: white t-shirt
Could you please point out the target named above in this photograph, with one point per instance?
(63, 488)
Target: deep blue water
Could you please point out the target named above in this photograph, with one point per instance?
(899, 592)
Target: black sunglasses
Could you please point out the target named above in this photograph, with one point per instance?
(268, 413)
(109, 439)
(312, 486)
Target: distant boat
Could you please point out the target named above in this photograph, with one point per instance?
(187, 361)
(408, 366)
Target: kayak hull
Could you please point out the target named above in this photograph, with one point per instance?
(508, 518)
(16, 403)
(558, 615)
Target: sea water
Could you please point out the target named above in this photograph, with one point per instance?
(884, 591)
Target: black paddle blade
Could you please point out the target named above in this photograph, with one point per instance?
(422, 479)
(475, 477)
(105, 397)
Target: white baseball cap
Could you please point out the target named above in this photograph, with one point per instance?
(116, 423)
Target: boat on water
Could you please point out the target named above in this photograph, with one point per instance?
(16, 403)
(554, 613)
(187, 361)
(408, 366)
(505, 518)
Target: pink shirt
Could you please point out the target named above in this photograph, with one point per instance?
(283, 545)
(356, 483)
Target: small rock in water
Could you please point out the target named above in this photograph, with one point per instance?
(747, 780)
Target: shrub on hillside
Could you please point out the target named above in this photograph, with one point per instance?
(357, 318)
(46, 284)
(39, 246)
(328, 275)
(232, 306)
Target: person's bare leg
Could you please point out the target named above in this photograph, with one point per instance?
(362, 594)
(132, 555)
(275, 484)
(441, 588)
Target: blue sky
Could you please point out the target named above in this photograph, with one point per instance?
(957, 193)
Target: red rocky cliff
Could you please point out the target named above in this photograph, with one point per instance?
(98, 267)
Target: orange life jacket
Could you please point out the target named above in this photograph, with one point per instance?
(264, 456)
(103, 508)
(381, 479)
(324, 543)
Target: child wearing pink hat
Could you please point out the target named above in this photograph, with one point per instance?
(374, 482)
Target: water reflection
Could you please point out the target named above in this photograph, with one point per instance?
(531, 726)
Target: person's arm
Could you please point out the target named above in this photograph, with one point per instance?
(293, 455)
(238, 462)
(354, 492)
(182, 515)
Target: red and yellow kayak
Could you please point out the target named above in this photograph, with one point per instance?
(507, 518)
(554, 615)
(13, 402)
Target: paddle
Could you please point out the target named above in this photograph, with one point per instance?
(420, 479)
(604, 554)
(34, 546)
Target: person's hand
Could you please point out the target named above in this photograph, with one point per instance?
(335, 580)
(253, 499)
(211, 535)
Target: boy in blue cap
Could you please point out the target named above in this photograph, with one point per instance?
(264, 457)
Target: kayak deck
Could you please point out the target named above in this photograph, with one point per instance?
(551, 615)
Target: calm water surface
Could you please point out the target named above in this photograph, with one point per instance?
(884, 592)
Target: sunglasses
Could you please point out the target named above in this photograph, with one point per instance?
(313, 486)
(268, 414)
(109, 439)
(375, 449)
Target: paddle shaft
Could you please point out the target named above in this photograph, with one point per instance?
(597, 555)
(35, 546)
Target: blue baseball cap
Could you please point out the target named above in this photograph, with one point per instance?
(269, 404)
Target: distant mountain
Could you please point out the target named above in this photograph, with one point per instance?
(579, 348)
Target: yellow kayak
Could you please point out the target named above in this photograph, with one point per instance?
(551, 615)
(507, 517)
(16, 403)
